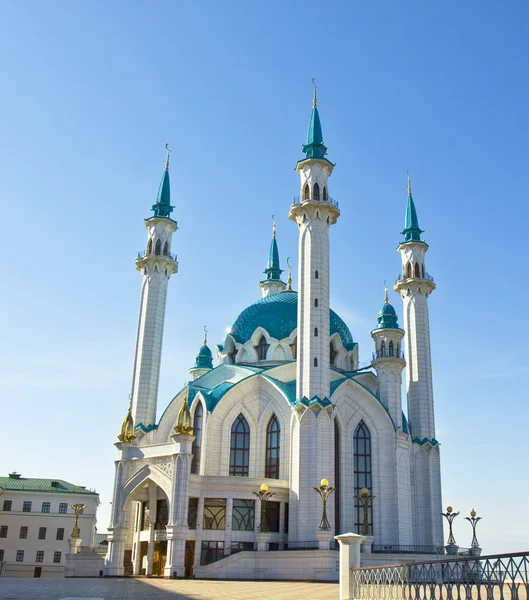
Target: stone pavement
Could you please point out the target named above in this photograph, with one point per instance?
(161, 589)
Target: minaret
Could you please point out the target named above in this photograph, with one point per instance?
(314, 212)
(204, 361)
(156, 265)
(388, 359)
(272, 284)
(415, 285)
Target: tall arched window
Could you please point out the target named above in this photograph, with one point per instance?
(316, 302)
(197, 442)
(315, 362)
(325, 193)
(383, 348)
(149, 247)
(417, 272)
(262, 348)
(423, 271)
(408, 270)
(273, 432)
(316, 275)
(391, 352)
(336, 478)
(166, 249)
(332, 354)
(362, 474)
(306, 192)
(158, 248)
(315, 332)
(316, 192)
(240, 447)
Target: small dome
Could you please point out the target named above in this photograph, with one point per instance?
(387, 317)
(204, 358)
(278, 314)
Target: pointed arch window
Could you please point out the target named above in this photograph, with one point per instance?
(316, 275)
(423, 272)
(336, 478)
(262, 348)
(332, 354)
(306, 192)
(166, 249)
(362, 474)
(325, 198)
(315, 332)
(383, 348)
(240, 447)
(390, 348)
(273, 432)
(408, 270)
(158, 248)
(197, 442)
(316, 192)
(315, 362)
(149, 247)
(417, 272)
(316, 302)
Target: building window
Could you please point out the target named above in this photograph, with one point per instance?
(192, 512)
(60, 533)
(149, 247)
(26, 507)
(197, 442)
(56, 557)
(286, 517)
(262, 348)
(383, 348)
(158, 248)
(23, 533)
(243, 516)
(214, 513)
(240, 447)
(144, 516)
(3, 531)
(316, 302)
(211, 552)
(40, 556)
(20, 556)
(423, 271)
(325, 194)
(162, 514)
(408, 271)
(272, 516)
(315, 362)
(273, 432)
(315, 274)
(42, 533)
(46, 507)
(7, 505)
(63, 508)
(336, 477)
(315, 332)
(166, 249)
(362, 473)
(316, 192)
(1, 555)
(332, 354)
(417, 272)
(306, 192)
(241, 547)
(391, 351)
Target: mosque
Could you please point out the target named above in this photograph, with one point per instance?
(286, 405)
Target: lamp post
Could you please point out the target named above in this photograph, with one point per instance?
(264, 495)
(78, 509)
(473, 520)
(450, 515)
(366, 501)
(324, 491)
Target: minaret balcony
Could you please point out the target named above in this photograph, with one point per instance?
(299, 200)
(386, 353)
(168, 255)
(426, 276)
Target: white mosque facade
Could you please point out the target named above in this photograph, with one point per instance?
(286, 406)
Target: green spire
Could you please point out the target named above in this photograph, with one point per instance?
(163, 207)
(273, 270)
(387, 317)
(315, 148)
(204, 358)
(412, 232)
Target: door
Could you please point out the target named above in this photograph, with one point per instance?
(159, 558)
(38, 572)
(189, 558)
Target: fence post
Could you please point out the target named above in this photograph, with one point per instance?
(349, 558)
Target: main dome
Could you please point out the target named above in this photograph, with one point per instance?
(278, 314)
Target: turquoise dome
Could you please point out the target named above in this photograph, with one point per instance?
(278, 314)
(204, 358)
(387, 317)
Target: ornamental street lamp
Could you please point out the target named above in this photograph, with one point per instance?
(449, 515)
(474, 521)
(366, 501)
(78, 509)
(324, 491)
(264, 495)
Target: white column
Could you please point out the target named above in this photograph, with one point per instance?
(349, 558)
(227, 531)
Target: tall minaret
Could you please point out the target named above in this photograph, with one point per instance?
(415, 285)
(314, 213)
(156, 265)
(272, 284)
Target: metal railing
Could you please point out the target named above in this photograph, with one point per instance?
(426, 276)
(496, 577)
(299, 200)
(387, 353)
(170, 255)
(397, 549)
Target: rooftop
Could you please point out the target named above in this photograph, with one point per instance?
(15, 482)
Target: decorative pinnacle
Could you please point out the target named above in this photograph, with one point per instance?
(167, 157)
(273, 226)
(205, 335)
(386, 299)
(315, 99)
(289, 280)
(409, 182)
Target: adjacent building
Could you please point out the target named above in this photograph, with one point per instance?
(36, 520)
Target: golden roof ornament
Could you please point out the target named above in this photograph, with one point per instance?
(127, 428)
(386, 299)
(289, 280)
(315, 99)
(409, 183)
(273, 226)
(167, 157)
(205, 335)
(183, 422)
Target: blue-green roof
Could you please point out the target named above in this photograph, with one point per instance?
(387, 317)
(273, 270)
(411, 232)
(163, 207)
(278, 315)
(204, 358)
(29, 484)
(314, 148)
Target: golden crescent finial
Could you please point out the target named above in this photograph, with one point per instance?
(273, 226)
(315, 100)
(409, 182)
(289, 280)
(205, 335)
(167, 157)
(386, 299)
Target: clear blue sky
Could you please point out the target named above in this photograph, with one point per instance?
(91, 93)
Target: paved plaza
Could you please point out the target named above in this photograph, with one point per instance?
(160, 589)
